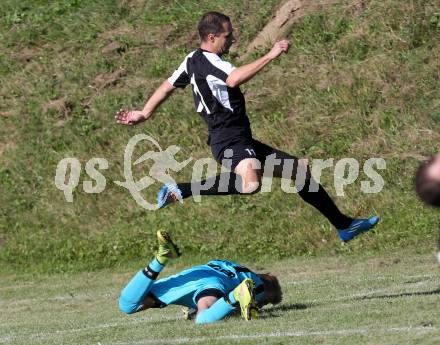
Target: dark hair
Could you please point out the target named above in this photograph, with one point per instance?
(212, 23)
(427, 188)
(272, 289)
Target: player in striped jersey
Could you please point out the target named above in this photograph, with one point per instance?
(220, 102)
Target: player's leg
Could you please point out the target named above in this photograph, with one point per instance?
(226, 183)
(207, 315)
(318, 197)
(134, 297)
(239, 157)
(314, 193)
(242, 296)
(249, 170)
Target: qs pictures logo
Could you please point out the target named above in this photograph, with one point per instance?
(69, 169)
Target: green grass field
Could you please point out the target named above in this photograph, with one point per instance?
(327, 300)
(361, 80)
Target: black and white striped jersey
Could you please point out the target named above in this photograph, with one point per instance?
(222, 107)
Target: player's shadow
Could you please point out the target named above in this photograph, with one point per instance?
(399, 295)
(276, 311)
(290, 306)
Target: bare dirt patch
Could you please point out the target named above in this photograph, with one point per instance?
(122, 30)
(130, 3)
(5, 113)
(61, 106)
(286, 15)
(155, 36)
(106, 79)
(27, 55)
(358, 8)
(5, 147)
(111, 48)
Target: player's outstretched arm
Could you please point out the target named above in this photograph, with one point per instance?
(134, 117)
(244, 73)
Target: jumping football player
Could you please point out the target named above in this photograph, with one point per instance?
(218, 99)
(213, 291)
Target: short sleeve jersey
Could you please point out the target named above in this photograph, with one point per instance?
(217, 277)
(223, 108)
(233, 273)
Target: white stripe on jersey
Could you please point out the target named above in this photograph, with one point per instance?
(182, 68)
(220, 90)
(202, 104)
(219, 63)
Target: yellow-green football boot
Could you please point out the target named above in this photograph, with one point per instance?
(244, 294)
(167, 248)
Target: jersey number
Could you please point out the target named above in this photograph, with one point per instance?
(222, 270)
(251, 152)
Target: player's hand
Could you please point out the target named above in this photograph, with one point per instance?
(278, 48)
(130, 118)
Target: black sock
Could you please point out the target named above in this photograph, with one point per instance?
(222, 184)
(225, 184)
(324, 204)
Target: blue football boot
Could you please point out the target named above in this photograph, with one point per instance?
(168, 194)
(357, 227)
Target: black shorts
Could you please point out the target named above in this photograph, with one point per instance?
(231, 153)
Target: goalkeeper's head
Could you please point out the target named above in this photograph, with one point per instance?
(428, 181)
(272, 289)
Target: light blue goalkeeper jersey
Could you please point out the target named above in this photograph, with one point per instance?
(216, 278)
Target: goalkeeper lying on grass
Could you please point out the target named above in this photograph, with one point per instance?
(214, 290)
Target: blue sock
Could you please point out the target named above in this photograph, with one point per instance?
(216, 312)
(137, 289)
(231, 297)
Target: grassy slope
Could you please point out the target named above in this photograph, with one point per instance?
(357, 83)
(381, 300)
